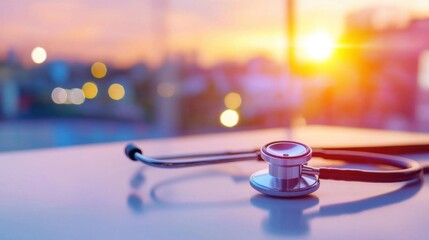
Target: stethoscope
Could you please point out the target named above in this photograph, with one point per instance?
(288, 174)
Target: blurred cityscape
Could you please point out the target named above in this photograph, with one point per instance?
(376, 75)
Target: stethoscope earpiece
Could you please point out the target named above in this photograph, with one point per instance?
(131, 150)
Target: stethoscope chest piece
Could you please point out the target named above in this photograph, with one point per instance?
(285, 176)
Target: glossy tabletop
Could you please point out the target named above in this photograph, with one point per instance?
(95, 192)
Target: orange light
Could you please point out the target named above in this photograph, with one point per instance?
(98, 70)
(116, 91)
(232, 100)
(90, 90)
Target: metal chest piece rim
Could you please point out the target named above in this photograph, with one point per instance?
(284, 176)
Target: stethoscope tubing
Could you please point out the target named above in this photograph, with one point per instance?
(175, 163)
(408, 168)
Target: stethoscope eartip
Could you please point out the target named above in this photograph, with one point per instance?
(131, 150)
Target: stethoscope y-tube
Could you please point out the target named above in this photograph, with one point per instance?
(288, 174)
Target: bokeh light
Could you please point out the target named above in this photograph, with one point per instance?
(316, 47)
(98, 70)
(116, 91)
(232, 100)
(38, 55)
(229, 118)
(90, 90)
(166, 89)
(76, 96)
(59, 95)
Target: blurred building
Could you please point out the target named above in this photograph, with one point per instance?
(10, 104)
(384, 58)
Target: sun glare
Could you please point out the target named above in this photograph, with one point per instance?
(316, 47)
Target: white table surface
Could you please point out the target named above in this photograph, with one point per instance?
(95, 192)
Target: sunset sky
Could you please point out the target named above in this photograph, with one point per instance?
(128, 31)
